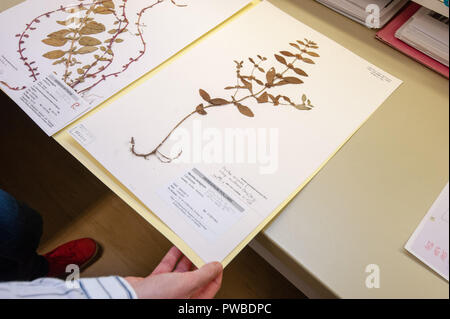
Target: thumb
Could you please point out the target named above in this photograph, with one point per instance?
(203, 276)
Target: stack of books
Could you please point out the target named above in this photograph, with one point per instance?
(439, 6)
(422, 34)
(372, 13)
(428, 32)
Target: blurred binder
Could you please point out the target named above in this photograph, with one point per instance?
(427, 31)
(423, 35)
(439, 6)
(364, 11)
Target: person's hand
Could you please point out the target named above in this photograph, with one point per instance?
(173, 279)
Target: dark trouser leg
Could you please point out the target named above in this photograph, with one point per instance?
(20, 233)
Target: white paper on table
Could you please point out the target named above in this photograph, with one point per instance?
(165, 29)
(429, 243)
(345, 89)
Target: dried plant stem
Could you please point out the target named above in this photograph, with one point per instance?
(25, 34)
(233, 102)
(87, 71)
(120, 30)
(261, 96)
(14, 88)
(156, 150)
(76, 33)
(142, 52)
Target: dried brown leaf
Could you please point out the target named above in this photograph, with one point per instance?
(300, 72)
(74, 10)
(244, 110)
(89, 41)
(258, 81)
(302, 107)
(295, 45)
(92, 28)
(59, 61)
(263, 98)
(68, 21)
(53, 55)
(309, 61)
(205, 96)
(55, 42)
(270, 76)
(248, 85)
(287, 53)
(275, 100)
(293, 80)
(280, 59)
(109, 4)
(86, 50)
(314, 54)
(200, 110)
(59, 34)
(103, 10)
(218, 102)
(287, 99)
(281, 83)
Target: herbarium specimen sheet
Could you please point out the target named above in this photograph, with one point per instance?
(61, 58)
(217, 141)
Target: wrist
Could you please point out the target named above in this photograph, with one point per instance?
(133, 283)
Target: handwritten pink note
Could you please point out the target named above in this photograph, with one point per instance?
(429, 242)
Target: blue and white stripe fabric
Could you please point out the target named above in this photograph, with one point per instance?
(113, 287)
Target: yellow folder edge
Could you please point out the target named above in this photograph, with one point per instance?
(64, 138)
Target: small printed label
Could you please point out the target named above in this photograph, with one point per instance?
(203, 204)
(238, 185)
(51, 103)
(379, 74)
(6, 64)
(82, 135)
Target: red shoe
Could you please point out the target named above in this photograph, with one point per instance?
(79, 252)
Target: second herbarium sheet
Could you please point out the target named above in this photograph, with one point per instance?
(93, 49)
(214, 143)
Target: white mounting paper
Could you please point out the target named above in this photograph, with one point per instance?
(344, 88)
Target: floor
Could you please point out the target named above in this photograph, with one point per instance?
(74, 204)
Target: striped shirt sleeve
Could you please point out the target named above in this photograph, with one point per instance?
(113, 287)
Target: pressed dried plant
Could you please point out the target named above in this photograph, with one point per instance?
(259, 85)
(85, 36)
(13, 88)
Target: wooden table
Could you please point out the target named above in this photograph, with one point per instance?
(367, 201)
